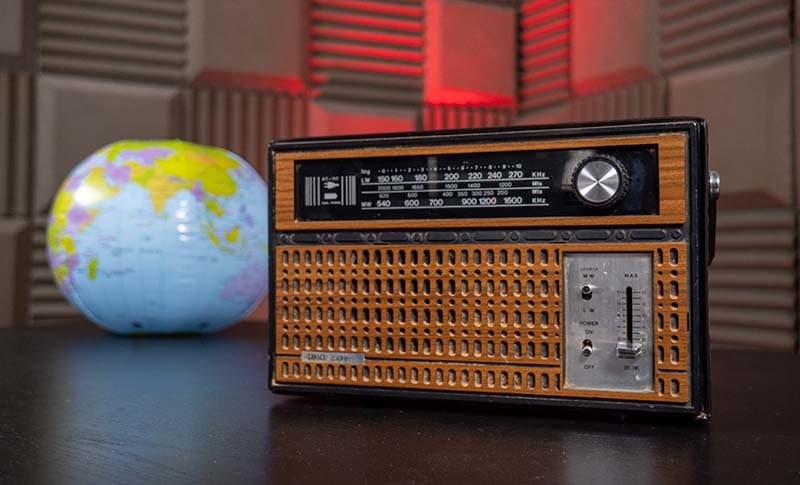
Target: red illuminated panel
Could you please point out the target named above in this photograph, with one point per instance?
(355, 50)
(250, 81)
(365, 66)
(367, 21)
(410, 10)
(544, 53)
(328, 119)
(470, 56)
(366, 50)
(366, 37)
(454, 116)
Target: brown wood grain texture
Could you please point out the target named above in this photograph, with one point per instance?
(671, 164)
(470, 314)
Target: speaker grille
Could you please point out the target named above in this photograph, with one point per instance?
(479, 318)
(671, 321)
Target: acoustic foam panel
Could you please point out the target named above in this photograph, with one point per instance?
(332, 118)
(142, 40)
(366, 51)
(16, 143)
(76, 116)
(613, 43)
(14, 240)
(469, 57)
(747, 103)
(644, 99)
(694, 34)
(544, 53)
(262, 37)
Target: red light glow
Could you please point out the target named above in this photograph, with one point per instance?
(544, 53)
(624, 77)
(366, 66)
(373, 7)
(345, 33)
(545, 17)
(366, 21)
(463, 97)
(254, 81)
(543, 31)
(355, 50)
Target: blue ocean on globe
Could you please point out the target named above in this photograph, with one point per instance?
(161, 237)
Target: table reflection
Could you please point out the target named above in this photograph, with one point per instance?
(311, 439)
(159, 406)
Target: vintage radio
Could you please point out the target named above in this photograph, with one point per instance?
(562, 265)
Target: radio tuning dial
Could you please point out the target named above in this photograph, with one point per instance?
(600, 181)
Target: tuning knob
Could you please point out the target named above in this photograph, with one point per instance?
(600, 181)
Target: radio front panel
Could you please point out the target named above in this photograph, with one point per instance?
(576, 278)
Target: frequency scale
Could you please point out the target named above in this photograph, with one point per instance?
(479, 185)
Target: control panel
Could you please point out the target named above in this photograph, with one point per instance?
(609, 321)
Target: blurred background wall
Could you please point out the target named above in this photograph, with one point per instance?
(77, 74)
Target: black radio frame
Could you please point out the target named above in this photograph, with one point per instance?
(699, 229)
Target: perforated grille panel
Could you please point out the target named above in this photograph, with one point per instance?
(671, 321)
(474, 318)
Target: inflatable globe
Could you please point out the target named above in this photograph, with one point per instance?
(160, 237)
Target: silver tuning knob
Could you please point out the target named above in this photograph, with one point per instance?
(600, 181)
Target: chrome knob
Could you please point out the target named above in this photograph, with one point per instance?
(600, 181)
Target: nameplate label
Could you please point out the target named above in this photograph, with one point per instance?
(353, 358)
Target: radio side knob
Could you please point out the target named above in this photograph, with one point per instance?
(600, 181)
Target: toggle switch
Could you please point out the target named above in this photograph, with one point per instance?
(587, 348)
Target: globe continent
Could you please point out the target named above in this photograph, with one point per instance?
(160, 237)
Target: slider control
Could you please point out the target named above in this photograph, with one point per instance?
(628, 349)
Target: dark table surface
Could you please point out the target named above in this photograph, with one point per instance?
(80, 406)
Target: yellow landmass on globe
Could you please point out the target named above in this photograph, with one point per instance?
(62, 204)
(188, 164)
(94, 188)
(214, 207)
(60, 273)
(232, 236)
(60, 208)
(212, 235)
(140, 174)
(162, 189)
(68, 245)
(92, 268)
(112, 151)
(210, 169)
